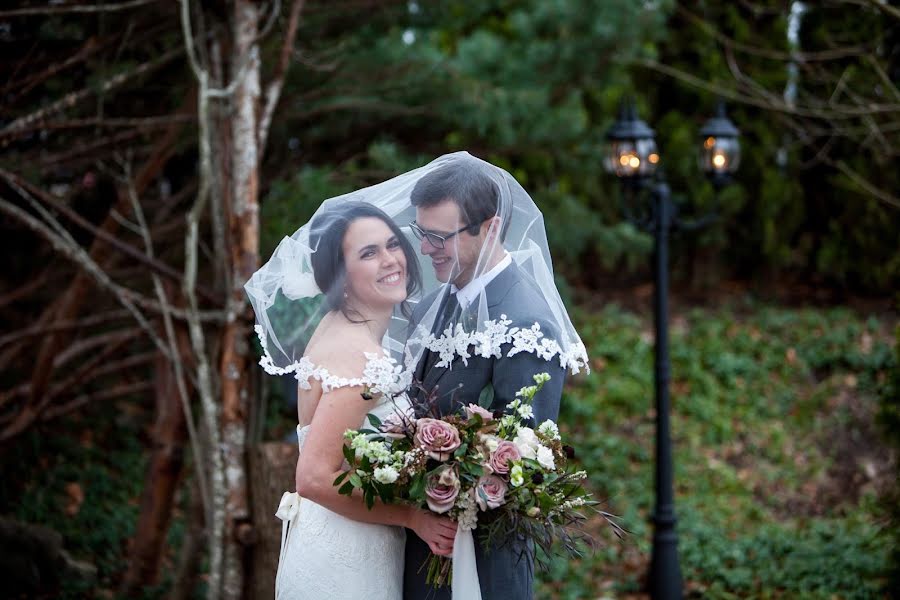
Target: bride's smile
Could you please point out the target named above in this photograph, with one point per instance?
(376, 265)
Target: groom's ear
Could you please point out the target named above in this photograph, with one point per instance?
(492, 228)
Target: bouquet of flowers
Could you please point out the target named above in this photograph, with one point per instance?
(464, 465)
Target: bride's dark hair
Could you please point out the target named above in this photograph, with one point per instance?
(326, 237)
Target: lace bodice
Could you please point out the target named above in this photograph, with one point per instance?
(325, 555)
(381, 409)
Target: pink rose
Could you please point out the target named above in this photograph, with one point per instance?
(505, 453)
(441, 489)
(437, 438)
(396, 425)
(474, 409)
(490, 492)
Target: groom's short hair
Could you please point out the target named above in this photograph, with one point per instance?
(466, 183)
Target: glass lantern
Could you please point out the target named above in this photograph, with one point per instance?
(720, 148)
(630, 146)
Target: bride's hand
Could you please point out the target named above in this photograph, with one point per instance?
(436, 531)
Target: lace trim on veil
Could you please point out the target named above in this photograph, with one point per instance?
(457, 342)
(381, 374)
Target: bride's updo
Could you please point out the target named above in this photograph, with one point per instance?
(326, 238)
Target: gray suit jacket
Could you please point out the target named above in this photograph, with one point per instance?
(504, 571)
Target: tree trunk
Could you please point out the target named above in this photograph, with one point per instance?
(272, 468)
(243, 225)
(192, 549)
(162, 479)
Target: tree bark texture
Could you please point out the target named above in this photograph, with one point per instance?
(272, 468)
(243, 226)
(163, 476)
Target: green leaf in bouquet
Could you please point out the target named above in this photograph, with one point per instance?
(473, 469)
(385, 493)
(546, 503)
(350, 455)
(417, 487)
(356, 480)
(375, 421)
(346, 489)
(486, 397)
(461, 451)
(340, 478)
(532, 464)
(370, 498)
(368, 431)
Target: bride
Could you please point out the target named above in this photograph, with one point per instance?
(335, 547)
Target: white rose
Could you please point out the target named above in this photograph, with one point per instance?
(489, 441)
(545, 458)
(527, 442)
(549, 429)
(386, 474)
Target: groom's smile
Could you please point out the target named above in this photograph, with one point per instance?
(456, 261)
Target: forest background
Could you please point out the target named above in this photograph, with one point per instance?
(154, 152)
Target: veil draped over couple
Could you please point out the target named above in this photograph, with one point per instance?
(416, 294)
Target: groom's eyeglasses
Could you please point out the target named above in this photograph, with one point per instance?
(434, 239)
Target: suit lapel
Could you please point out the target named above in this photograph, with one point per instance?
(495, 293)
(424, 367)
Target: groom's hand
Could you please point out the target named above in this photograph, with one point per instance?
(436, 531)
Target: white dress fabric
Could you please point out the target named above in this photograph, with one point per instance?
(326, 556)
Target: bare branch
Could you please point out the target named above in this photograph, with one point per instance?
(273, 91)
(864, 184)
(881, 5)
(763, 52)
(139, 123)
(33, 284)
(73, 8)
(129, 389)
(26, 188)
(128, 298)
(173, 342)
(842, 112)
(41, 329)
(270, 22)
(191, 51)
(216, 514)
(73, 98)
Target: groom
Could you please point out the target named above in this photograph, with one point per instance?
(462, 229)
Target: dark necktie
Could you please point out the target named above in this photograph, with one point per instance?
(445, 318)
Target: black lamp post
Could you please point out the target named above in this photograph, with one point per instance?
(632, 156)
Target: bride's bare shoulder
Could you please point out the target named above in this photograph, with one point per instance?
(342, 348)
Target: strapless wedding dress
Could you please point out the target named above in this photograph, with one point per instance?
(325, 556)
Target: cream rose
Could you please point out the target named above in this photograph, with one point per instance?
(441, 489)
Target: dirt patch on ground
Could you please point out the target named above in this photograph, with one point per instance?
(861, 462)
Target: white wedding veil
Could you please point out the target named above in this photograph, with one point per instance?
(491, 226)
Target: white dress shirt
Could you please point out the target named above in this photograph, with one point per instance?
(469, 292)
